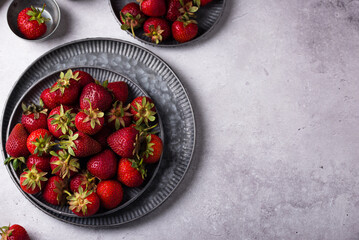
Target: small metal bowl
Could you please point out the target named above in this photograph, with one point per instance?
(52, 11)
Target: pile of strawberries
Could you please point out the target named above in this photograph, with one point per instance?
(162, 19)
(83, 142)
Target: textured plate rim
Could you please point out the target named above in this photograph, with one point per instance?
(79, 41)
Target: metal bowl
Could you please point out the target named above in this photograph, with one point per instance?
(207, 17)
(52, 11)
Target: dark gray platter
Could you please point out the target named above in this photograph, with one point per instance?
(207, 17)
(157, 79)
(100, 74)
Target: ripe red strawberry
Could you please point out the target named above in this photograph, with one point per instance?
(158, 29)
(67, 88)
(90, 121)
(153, 149)
(40, 142)
(33, 117)
(14, 232)
(84, 203)
(16, 146)
(85, 180)
(41, 163)
(64, 164)
(31, 23)
(61, 120)
(103, 165)
(153, 8)
(54, 189)
(123, 142)
(102, 136)
(184, 30)
(131, 17)
(84, 78)
(201, 3)
(143, 110)
(110, 193)
(50, 99)
(98, 95)
(32, 180)
(176, 8)
(79, 144)
(130, 172)
(119, 90)
(119, 116)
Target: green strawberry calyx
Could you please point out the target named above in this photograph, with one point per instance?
(78, 201)
(131, 22)
(117, 113)
(148, 146)
(188, 9)
(16, 162)
(88, 180)
(93, 115)
(36, 15)
(139, 165)
(155, 34)
(35, 109)
(186, 20)
(63, 120)
(59, 189)
(33, 178)
(6, 232)
(65, 163)
(67, 142)
(144, 112)
(64, 81)
(43, 145)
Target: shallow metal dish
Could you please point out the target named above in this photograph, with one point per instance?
(158, 80)
(52, 11)
(207, 18)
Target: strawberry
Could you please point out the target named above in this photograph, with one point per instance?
(158, 29)
(63, 164)
(153, 8)
(84, 78)
(33, 180)
(84, 203)
(124, 142)
(14, 232)
(201, 3)
(143, 110)
(85, 180)
(177, 8)
(16, 146)
(40, 142)
(67, 88)
(41, 163)
(89, 121)
(50, 99)
(184, 29)
(103, 165)
(119, 90)
(118, 116)
(61, 120)
(153, 150)
(79, 144)
(34, 117)
(102, 135)
(53, 191)
(130, 172)
(98, 95)
(110, 193)
(31, 23)
(131, 17)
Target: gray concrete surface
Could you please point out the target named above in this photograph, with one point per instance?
(275, 92)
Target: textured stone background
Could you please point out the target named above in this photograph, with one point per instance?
(275, 92)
